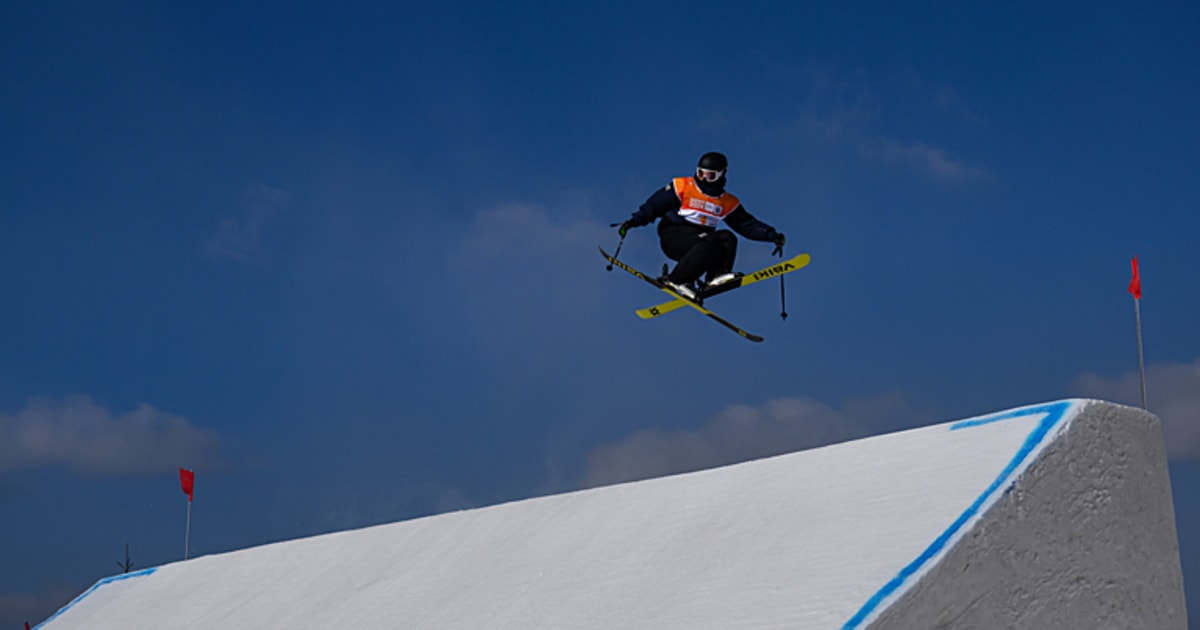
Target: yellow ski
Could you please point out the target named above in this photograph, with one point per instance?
(778, 269)
(696, 305)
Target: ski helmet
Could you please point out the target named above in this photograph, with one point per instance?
(713, 161)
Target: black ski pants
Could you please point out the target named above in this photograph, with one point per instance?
(698, 251)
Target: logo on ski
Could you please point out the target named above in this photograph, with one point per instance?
(773, 271)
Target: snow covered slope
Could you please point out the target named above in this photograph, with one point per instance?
(1051, 516)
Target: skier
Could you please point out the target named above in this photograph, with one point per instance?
(691, 211)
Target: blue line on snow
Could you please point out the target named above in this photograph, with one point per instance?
(107, 580)
(1054, 413)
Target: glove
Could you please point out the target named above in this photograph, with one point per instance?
(778, 239)
(625, 225)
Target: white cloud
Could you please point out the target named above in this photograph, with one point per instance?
(742, 433)
(929, 160)
(948, 101)
(83, 436)
(1172, 394)
(237, 238)
(525, 232)
(523, 270)
(848, 110)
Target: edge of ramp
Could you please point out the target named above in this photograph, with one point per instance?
(1055, 414)
(1083, 538)
(100, 583)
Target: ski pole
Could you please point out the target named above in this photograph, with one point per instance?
(782, 294)
(619, 244)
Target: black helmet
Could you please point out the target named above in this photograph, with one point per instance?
(713, 161)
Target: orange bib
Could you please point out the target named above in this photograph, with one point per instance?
(699, 208)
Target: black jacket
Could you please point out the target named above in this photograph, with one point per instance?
(664, 204)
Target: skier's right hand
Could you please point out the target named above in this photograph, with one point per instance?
(624, 227)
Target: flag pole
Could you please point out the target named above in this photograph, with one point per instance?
(187, 533)
(1137, 314)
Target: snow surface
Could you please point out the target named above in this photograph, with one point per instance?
(825, 538)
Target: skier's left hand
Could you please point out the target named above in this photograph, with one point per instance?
(778, 239)
(623, 228)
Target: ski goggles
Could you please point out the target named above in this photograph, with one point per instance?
(708, 175)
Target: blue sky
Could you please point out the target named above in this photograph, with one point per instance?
(341, 259)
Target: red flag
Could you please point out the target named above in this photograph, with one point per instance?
(187, 479)
(1135, 285)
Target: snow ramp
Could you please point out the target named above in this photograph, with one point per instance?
(1056, 515)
